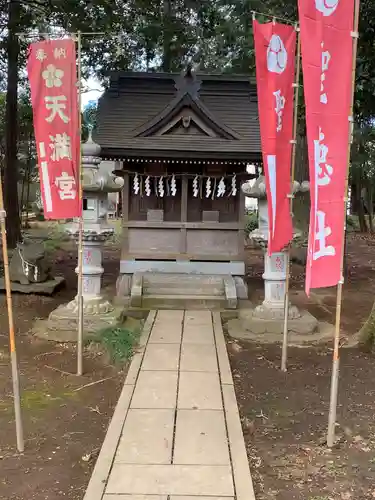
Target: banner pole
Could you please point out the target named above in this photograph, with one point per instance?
(291, 196)
(336, 349)
(80, 226)
(12, 341)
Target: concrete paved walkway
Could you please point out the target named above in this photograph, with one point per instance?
(176, 432)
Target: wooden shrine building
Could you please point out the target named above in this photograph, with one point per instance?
(182, 144)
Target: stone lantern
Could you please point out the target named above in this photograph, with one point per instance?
(98, 312)
(268, 317)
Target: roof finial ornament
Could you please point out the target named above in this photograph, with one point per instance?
(189, 70)
(187, 83)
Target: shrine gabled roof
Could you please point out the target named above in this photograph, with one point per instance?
(163, 115)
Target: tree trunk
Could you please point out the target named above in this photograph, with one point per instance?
(167, 38)
(13, 222)
(301, 203)
(367, 332)
(361, 210)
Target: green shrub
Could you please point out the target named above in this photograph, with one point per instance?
(251, 222)
(119, 341)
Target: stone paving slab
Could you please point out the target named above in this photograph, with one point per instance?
(198, 358)
(201, 438)
(197, 318)
(176, 432)
(194, 335)
(208, 480)
(162, 357)
(147, 437)
(155, 390)
(198, 390)
(172, 316)
(196, 498)
(166, 334)
(140, 497)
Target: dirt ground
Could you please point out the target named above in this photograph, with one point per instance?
(284, 415)
(64, 422)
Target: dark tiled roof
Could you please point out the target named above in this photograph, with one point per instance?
(135, 103)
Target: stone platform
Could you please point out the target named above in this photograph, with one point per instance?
(182, 291)
(176, 432)
(303, 329)
(47, 288)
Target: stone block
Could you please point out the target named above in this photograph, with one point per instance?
(45, 288)
(161, 357)
(123, 285)
(198, 390)
(304, 324)
(155, 390)
(201, 438)
(142, 497)
(230, 292)
(302, 332)
(198, 318)
(241, 472)
(241, 288)
(171, 480)
(199, 357)
(147, 437)
(136, 290)
(168, 334)
(62, 324)
(222, 354)
(193, 498)
(193, 335)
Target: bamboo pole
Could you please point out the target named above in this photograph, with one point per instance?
(271, 16)
(80, 224)
(336, 349)
(12, 341)
(284, 352)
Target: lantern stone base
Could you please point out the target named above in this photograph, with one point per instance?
(263, 320)
(303, 330)
(62, 323)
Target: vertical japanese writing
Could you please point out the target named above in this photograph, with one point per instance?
(52, 73)
(326, 57)
(323, 171)
(280, 105)
(46, 183)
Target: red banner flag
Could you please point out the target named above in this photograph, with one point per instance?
(326, 42)
(275, 46)
(51, 68)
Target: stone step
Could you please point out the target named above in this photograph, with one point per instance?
(184, 302)
(201, 290)
(175, 278)
(178, 284)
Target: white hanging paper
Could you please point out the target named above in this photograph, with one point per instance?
(234, 185)
(147, 186)
(173, 186)
(221, 188)
(136, 185)
(161, 187)
(208, 188)
(195, 187)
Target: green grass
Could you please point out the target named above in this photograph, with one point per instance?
(37, 399)
(120, 341)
